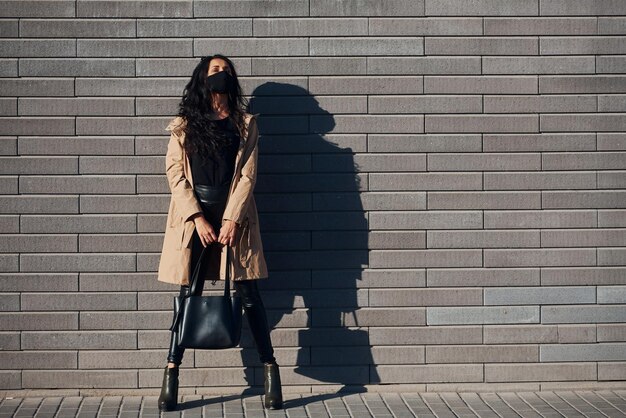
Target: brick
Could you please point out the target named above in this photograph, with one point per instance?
(25, 282)
(72, 67)
(464, 277)
(83, 28)
(611, 256)
(425, 104)
(480, 84)
(79, 379)
(307, 65)
(424, 258)
(483, 161)
(39, 165)
(36, 87)
(424, 143)
(482, 315)
(369, 278)
(425, 297)
(258, 47)
(425, 181)
(611, 218)
(394, 8)
(541, 26)
(367, 46)
(540, 295)
(611, 25)
(38, 204)
(369, 163)
(583, 160)
(134, 9)
(539, 180)
(63, 107)
(366, 85)
(370, 201)
(125, 87)
(375, 123)
(611, 180)
(584, 199)
(520, 334)
(582, 45)
(539, 142)
(43, 126)
(611, 294)
(483, 45)
(74, 340)
(442, 354)
(582, 314)
(431, 219)
(540, 372)
(33, 360)
(482, 7)
(38, 48)
(610, 64)
(543, 104)
(427, 26)
(582, 7)
(251, 9)
(426, 335)
(429, 373)
(611, 370)
(374, 317)
(133, 48)
(77, 262)
(538, 65)
(482, 239)
(606, 122)
(611, 332)
(431, 64)
(263, 27)
(482, 123)
(78, 301)
(37, 243)
(612, 103)
(62, 8)
(484, 200)
(540, 219)
(550, 84)
(69, 145)
(539, 257)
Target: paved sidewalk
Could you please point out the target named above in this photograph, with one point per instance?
(570, 404)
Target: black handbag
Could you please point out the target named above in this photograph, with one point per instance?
(207, 322)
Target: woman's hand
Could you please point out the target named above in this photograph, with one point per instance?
(228, 232)
(204, 229)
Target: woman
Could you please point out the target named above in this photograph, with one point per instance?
(211, 170)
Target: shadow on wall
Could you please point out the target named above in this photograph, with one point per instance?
(314, 232)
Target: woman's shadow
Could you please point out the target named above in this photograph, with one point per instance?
(315, 237)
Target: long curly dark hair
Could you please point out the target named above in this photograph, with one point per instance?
(202, 135)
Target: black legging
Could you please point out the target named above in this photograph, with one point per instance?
(247, 289)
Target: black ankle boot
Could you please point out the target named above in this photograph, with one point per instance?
(169, 390)
(273, 394)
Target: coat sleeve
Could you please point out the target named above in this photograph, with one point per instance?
(182, 192)
(237, 206)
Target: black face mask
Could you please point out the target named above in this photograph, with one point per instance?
(221, 82)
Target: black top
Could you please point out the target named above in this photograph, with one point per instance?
(216, 172)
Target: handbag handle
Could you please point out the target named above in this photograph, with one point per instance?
(191, 290)
(192, 286)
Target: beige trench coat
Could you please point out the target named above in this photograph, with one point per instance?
(247, 260)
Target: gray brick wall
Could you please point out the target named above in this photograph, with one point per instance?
(441, 191)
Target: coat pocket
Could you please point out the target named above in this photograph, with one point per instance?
(245, 243)
(187, 233)
(175, 217)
